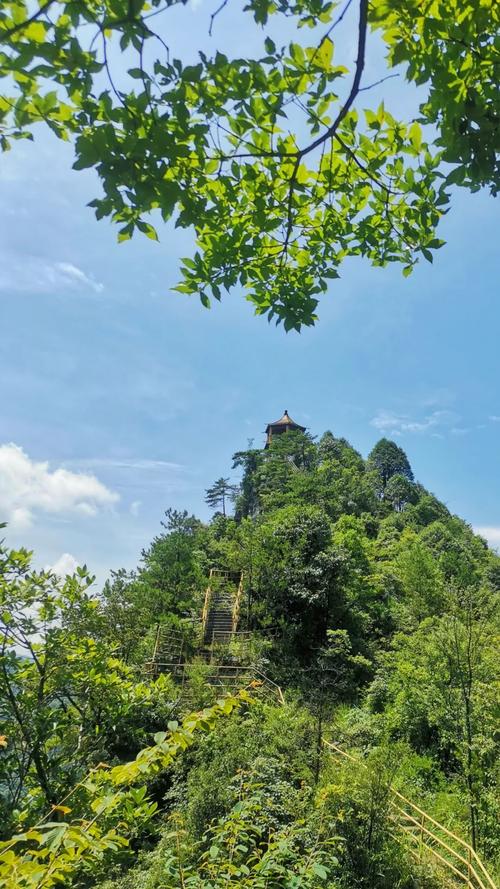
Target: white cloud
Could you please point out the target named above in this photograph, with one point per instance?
(66, 564)
(494, 418)
(20, 517)
(397, 424)
(490, 533)
(440, 398)
(135, 508)
(35, 274)
(137, 463)
(28, 488)
(72, 273)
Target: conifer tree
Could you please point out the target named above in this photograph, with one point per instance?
(220, 492)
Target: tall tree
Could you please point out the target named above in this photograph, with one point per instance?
(389, 460)
(273, 160)
(331, 448)
(400, 491)
(123, 613)
(297, 570)
(66, 701)
(249, 461)
(441, 688)
(219, 493)
(173, 568)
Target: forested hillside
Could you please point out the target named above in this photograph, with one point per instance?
(372, 608)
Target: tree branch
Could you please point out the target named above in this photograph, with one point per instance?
(352, 154)
(215, 14)
(332, 130)
(360, 64)
(289, 222)
(331, 28)
(370, 86)
(19, 27)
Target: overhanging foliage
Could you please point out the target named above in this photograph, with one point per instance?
(275, 162)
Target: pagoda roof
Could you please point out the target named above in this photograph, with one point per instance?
(285, 420)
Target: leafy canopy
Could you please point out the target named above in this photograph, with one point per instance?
(274, 162)
(390, 460)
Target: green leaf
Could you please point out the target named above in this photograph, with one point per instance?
(136, 73)
(35, 31)
(415, 135)
(324, 55)
(148, 230)
(159, 737)
(125, 233)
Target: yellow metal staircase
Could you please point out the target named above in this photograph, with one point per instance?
(425, 837)
(221, 607)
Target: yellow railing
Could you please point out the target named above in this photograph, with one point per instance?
(426, 836)
(225, 575)
(156, 648)
(237, 605)
(229, 677)
(453, 853)
(206, 603)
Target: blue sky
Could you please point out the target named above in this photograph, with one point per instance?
(120, 398)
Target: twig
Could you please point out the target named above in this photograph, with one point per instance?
(19, 27)
(362, 167)
(215, 14)
(377, 82)
(118, 95)
(330, 29)
(289, 223)
(360, 64)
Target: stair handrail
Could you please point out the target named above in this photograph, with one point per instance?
(231, 670)
(237, 606)
(425, 834)
(260, 678)
(270, 682)
(156, 646)
(266, 633)
(425, 818)
(206, 603)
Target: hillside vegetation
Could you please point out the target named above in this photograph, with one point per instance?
(371, 606)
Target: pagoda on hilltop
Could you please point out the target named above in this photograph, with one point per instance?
(285, 424)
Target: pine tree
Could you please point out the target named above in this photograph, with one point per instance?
(219, 493)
